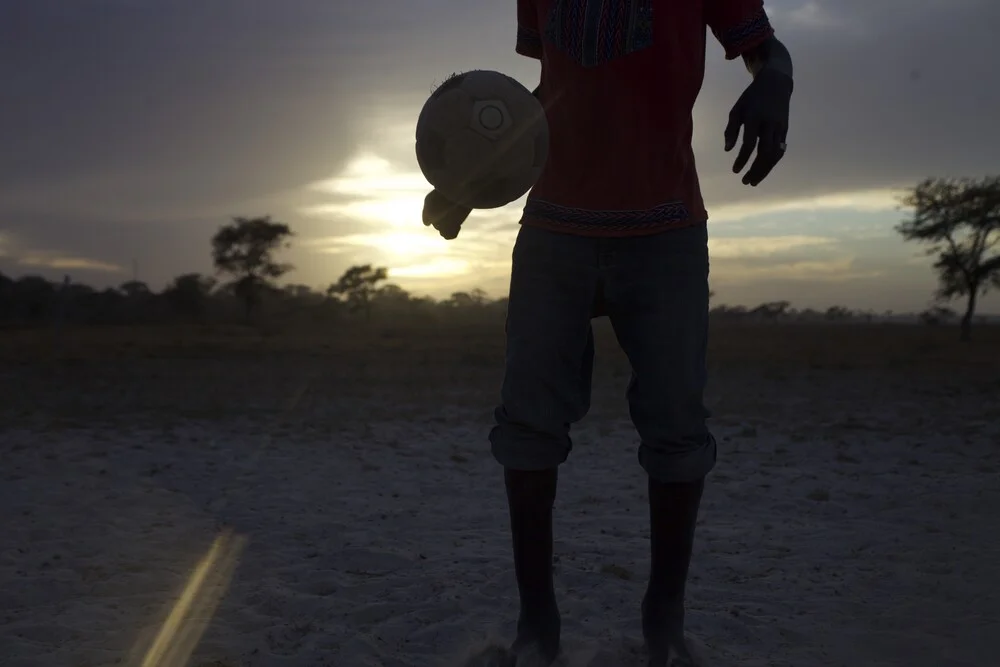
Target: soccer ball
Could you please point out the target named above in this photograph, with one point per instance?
(482, 139)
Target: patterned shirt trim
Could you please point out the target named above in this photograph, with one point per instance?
(750, 32)
(594, 32)
(529, 42)
(585, 221)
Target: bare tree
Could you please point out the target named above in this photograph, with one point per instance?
(959, 219)
(245, 250)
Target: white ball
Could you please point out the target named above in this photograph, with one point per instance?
(482, 139)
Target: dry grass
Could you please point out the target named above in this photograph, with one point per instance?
(813, 345)
(204, 372)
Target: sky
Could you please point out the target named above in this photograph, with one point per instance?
(130, 130)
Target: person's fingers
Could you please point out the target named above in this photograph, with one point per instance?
(751, 132)
(449, 230)
(732, 132)
(776, 152)
(767, 156)
(434, 204)
(443, 215)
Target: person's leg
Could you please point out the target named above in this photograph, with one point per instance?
(546, 388)
(657, 292)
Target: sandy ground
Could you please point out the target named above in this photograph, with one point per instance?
(286, 511)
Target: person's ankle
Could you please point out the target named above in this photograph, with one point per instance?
(539, 628)
(662, 619)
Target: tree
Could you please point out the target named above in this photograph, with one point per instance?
(959, 219)
(302, 293)
(6, 297)
(393, 293)
(937, 315)
(358, 287)
(135, 289)
(772, 310)
(188, 295)
(34, 298)
(392, 296)
(837, 313)
(476, 298)
(245, 250)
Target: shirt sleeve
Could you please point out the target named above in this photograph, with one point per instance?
(529, 37)
(739, 25)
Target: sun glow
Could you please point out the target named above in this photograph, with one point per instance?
(436, 268)
(398, 245)
(376, 191)
(372, 189)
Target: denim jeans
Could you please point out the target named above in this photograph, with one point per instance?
(654, 289)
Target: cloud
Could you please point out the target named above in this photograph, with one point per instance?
(764, 246)
(810, 16)
(370, 189)
(15, 253)
(368, 175)
(864, 201)
(840, 270)
(56, 261)
(787, 257)
(393, 244)
(436, 269)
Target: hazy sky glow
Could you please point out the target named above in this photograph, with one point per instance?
(133, 128)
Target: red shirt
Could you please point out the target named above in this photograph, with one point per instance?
(619, 82)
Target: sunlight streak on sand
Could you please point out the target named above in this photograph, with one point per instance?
(190, 615)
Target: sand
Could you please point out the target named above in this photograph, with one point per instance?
(309, 512)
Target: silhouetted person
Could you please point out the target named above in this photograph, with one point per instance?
(616, 226)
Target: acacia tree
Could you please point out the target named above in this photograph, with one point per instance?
(245, 250)
(959, 220)
(358, 287)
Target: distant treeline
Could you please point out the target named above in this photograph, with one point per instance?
(33, 301)
(362, 294)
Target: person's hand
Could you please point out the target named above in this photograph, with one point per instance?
(762, 112)
(444, 215)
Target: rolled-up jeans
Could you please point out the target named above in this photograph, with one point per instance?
(654, 289)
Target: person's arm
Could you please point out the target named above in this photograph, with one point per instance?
(742, 28)
(770, 54)
(529, 36)
(761, 112)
